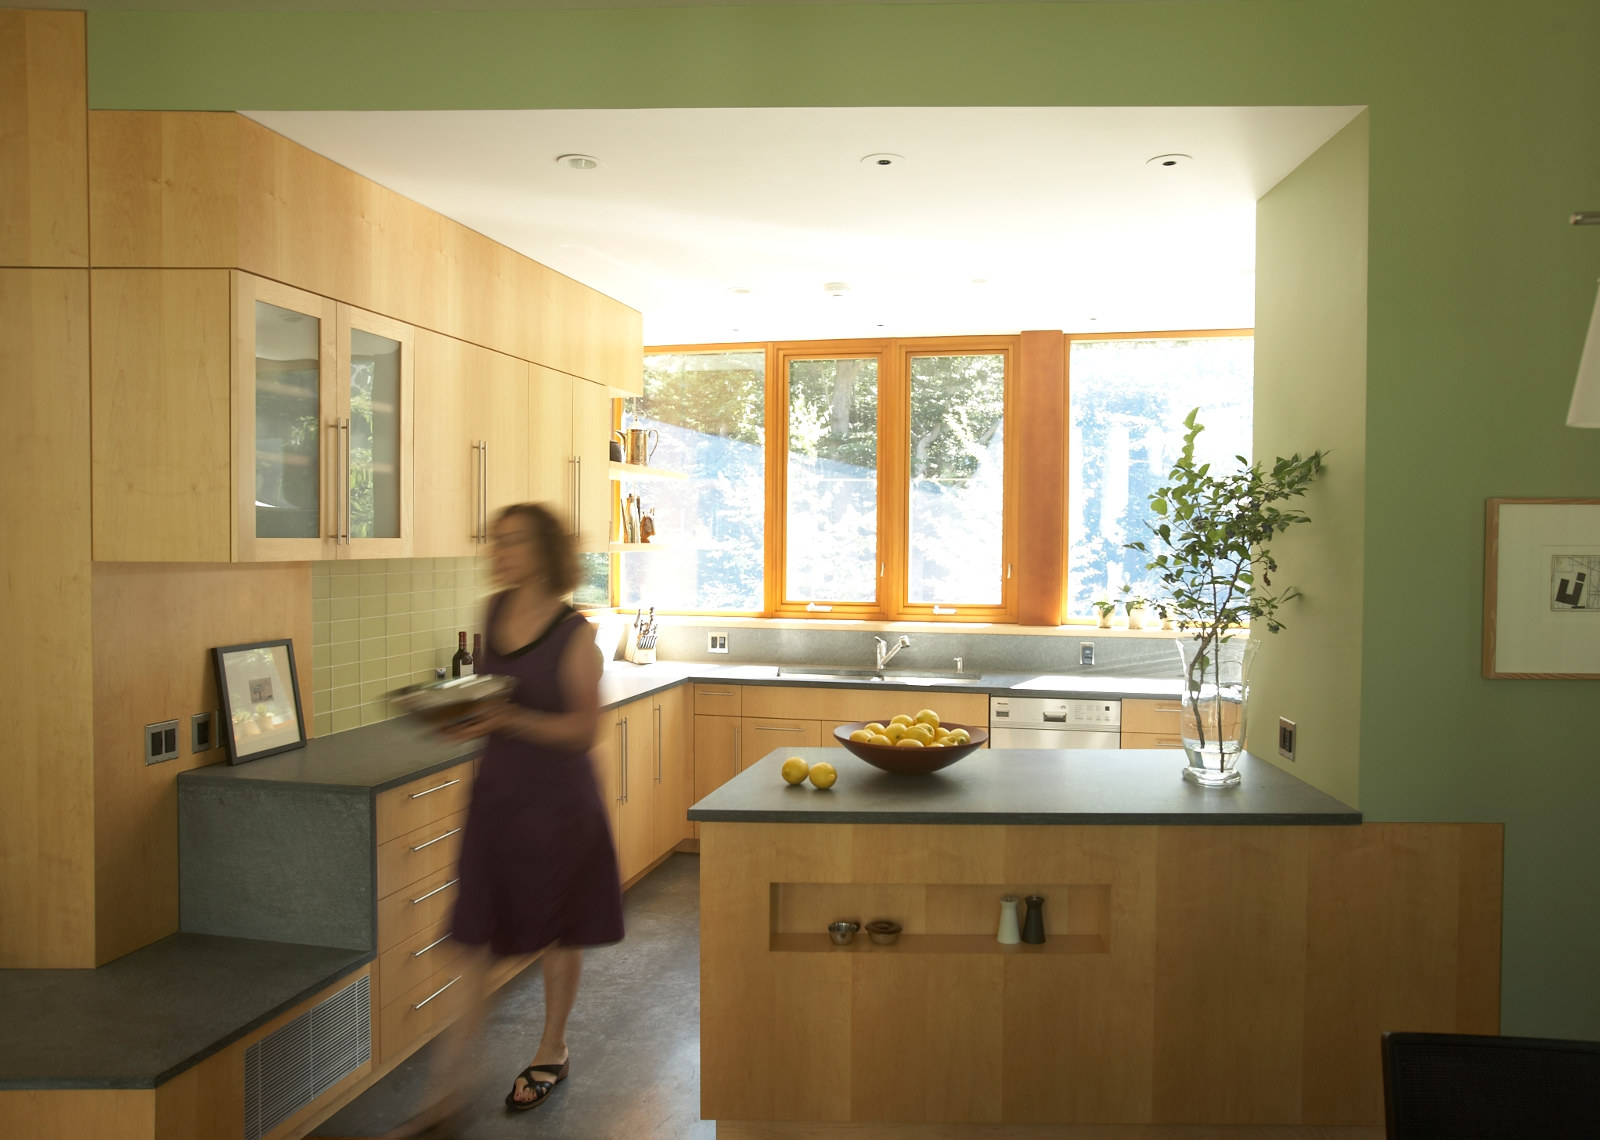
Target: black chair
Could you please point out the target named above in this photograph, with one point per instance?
(1451, 1086)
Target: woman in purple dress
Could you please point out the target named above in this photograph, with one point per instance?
(538, 868)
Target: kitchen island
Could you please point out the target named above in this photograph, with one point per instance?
(1223, 957)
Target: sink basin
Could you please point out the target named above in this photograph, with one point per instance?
(894, 676)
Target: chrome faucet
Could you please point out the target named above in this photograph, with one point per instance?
(885, 654)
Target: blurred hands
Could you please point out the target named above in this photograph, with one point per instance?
(503, 717)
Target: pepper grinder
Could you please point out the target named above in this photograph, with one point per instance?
(1008, 922)
(1033, 921)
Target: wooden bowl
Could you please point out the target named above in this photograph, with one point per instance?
(908, 761)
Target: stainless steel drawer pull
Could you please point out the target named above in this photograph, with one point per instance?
(436, 839)
(437, 992)
(431, 945)
(716, 692)
(436, 890)
(430, 791)
(778, 728)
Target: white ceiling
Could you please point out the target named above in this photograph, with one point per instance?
(1055, 210)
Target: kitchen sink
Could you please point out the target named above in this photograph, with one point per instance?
(895, 676)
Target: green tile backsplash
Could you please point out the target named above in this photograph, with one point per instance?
(378, 624)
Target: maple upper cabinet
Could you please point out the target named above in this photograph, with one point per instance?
(322, 427)
(237, 419)
(471, 443)
(569, 429)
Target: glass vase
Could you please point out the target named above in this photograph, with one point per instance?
(1216, 685)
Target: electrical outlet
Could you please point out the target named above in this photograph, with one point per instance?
(1085, 653)
(160, 742)
(716, 643)
(203, 731)
(1286, 738)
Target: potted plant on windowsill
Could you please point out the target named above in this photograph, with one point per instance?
(1134, 606)
(1104, 608)
(1212, 559)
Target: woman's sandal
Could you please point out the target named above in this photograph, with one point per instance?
(541, 1089)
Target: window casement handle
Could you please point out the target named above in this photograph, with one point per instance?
(814, 608)
(944, 611)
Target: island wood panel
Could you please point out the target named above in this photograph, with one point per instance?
(215, 189)
(175, 615)
(1221, 940)
(835, 706)
(44, 182)
(1041, 458)
(162, 415)
(68, 1114)
(164, 189)
(46, 825)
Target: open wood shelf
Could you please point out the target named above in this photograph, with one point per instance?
(938, 944)
(639, 471)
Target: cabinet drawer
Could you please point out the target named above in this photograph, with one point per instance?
(431, 1003)
(1151, 716)
(717, 700)
(410, 806)
(413, 960)
(419, 853)
(1151, 739)
(416, 908)
(761, 736)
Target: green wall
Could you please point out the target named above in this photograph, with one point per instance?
(1310, 393)
(1482, 117)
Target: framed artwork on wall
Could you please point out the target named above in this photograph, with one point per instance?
(1541, 589)
(260, 695)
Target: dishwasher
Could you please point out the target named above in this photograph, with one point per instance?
(1052, 722)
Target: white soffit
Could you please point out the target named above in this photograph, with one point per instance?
(998, 218)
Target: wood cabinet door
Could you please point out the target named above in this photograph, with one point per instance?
(287, 474)
(550, 470)
(636, 832)
(761, 735)
(673, 774)
(505, 435)
(606, 756)
(716, 752)
(448, 398)
(375, 379)
(591, 437)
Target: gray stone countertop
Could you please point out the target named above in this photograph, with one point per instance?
(144, 1018)
(1022, 786)
(363, 761)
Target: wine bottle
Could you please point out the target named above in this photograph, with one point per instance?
(462, 661)
(477, 651)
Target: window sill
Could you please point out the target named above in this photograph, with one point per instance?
(1085, 629)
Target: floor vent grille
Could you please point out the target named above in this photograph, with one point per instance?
(298, 1062)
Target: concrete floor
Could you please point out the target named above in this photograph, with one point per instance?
(634, 1038)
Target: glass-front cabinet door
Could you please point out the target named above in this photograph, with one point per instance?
(285, 417)
(374, 492)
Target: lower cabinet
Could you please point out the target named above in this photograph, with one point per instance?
(646, 777)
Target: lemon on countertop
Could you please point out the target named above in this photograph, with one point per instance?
(823, 774)
(795, 770)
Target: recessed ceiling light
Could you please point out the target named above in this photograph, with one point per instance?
(1169, 160)
(836, 288)
(578, 161)
(883, 158)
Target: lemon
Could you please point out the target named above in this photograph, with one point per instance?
(927, 716)
(935, 744)
(901, 719)
(960, 736)
(875, 728)
(895, 731)
(795, 770)
(861, 736)
(880, 739)
(909, 742)
(823, 774)
(921, 731)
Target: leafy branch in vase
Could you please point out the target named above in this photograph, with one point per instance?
(1209, 549)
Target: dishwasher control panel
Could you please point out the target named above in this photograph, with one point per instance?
(1054, 712)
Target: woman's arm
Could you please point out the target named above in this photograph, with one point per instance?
(578, 676)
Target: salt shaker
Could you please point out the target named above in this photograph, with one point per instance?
(1008, 935)
(1033, 921)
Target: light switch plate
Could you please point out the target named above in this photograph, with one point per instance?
(203, 731)
(160, 741)
(1085, 653)
(1286, 738)
(716, 643)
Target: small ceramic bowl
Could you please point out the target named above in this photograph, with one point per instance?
(842, 932)
(883, 932)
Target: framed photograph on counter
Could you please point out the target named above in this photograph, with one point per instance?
(1541, 589)
(260, 695)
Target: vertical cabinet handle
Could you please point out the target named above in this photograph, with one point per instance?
(738, 749)
(658, 743)
(577, 511)
(623, 798)
(344, 428)
(483, 489)
(572, 492)
(335, 480)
